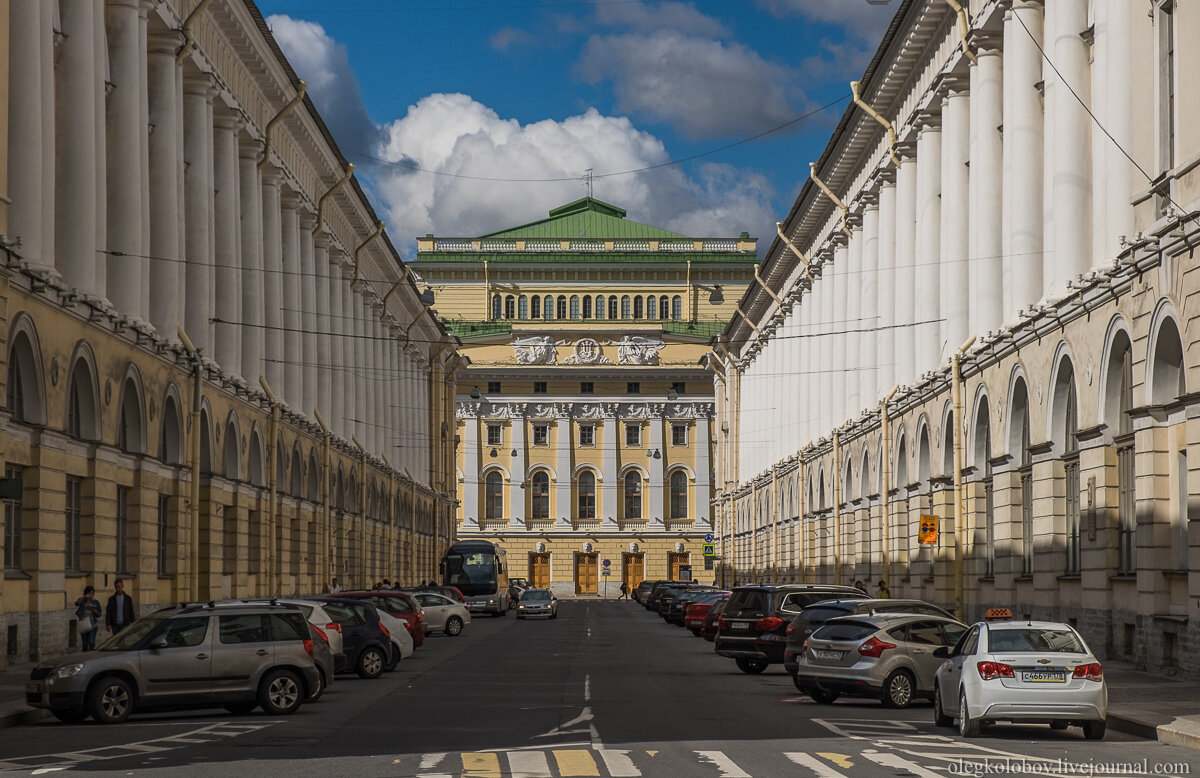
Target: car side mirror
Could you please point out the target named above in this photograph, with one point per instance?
(942, 652)
(158, 643)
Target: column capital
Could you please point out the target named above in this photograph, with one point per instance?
(949, 85)
(986, 43)
(164, 42)
(225, 119)
(249, 148)
(200, 84)
(308, 220)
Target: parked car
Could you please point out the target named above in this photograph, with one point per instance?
(678, 607)
(888, 655)
(366, 642)
(537, 602)
(256, 655)
(1021, 671)
(515, 587)
(314, 611)
(708, 630)
(451, 592)
(814, 616)
(697, 609)
(442, 614)
(399, 604)
(641, 591)
(671, 594)
(656, 590)
(752, 629)
(323, 659)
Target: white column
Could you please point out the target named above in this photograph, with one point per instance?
(905, 272)
(362, 368)
(323, 324)
(562, 465)
(839, 322)
(379, 383)
(198, 194)
(125, 134)
(990, 158)
(927, 253)
(885, 343)
(1119, 172)
(227, 244)
(611, 489)
(77, 170)
(310, 323)
(253, 280)
(517, 488)
(337, 361)
(656, 509)
(869, 306)
(1023, 147)
(470, 508)
(1072, 131)
(808, 401)
(293, 382)
(166, 193)
(704, 470)
(272, 228)
(856, 317)
(955, 239)
(30, 138)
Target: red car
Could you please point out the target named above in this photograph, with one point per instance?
(398, 604)
(708, 630)
(693, 617)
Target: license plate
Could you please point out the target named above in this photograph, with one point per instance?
(1044, 676)
(33, 687)
(820, 653)
(739, 625)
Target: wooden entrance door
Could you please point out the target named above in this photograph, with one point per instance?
(539, 571)
(675, 560)
(585, 573)
(634, 570)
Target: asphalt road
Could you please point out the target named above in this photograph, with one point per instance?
(607, 689)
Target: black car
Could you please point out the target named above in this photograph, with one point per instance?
(814, 616)
(365, 642)
(657, 590)
(668, 596)
(677, 607)
(753, 626)
(642, 591)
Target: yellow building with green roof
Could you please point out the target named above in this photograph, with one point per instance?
(585, 417)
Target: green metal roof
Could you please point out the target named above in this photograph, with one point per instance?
(695, 329)
(466, 330)
(585, 218)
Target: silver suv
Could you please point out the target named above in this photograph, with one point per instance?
(237, 657)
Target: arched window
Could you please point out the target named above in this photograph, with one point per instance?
(1018, 419)
(651, 307)
(169, 443)
(493, 495)
(587, 306)
(679, 495)
(600, 309)
(633, 495)
(676, 307)
(1118, 403)
(510, 307)
(129, 434)
(81, 403)
(638, 311)
(663, 303)
(612, 307)
(255, 473)
(535, 311)
(574, 306)
(24, 400)
(983, 465)
(560, 311)
(496, 306)
(206, 462)
(548, 307)
(540, 497)
(625, 307)
(314, 479)
(522, 307)
(281, 469)
(587, 495)
(231, 466)
(297, 488)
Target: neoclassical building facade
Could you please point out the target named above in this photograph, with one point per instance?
(584, 414)
(220, 381)
(979, 311)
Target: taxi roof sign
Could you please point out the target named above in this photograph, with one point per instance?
(995, 614)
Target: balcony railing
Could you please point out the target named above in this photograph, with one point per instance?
(626, 245)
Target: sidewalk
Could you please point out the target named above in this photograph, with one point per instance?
(1140, 703)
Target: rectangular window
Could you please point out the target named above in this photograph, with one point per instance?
(678, 387)
(541, 435)
(12, 524)
(633, 434)
(249, 628)
(1126, 516)
(493, 435)
(123, 493)
(539, 387)
(679, 435)
(493, 387)
(586, 387)
(587, 434)
(633, 387)
(164, 514)
(1026, 521)
(74, 523)
(1073, 549)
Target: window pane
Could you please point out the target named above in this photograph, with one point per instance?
(250, 628)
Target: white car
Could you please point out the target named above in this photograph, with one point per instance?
(442, 613)
(402, 642)
(1020, 671)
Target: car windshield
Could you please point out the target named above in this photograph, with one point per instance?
(473, 574)
(131, 635)
(846, 630)
(820, 615)
(1024, 639)
(536, 596)
(747, 600)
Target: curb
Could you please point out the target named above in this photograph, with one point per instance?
(18, 716)
(1132, 726)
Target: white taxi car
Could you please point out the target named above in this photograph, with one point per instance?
(1020, 671)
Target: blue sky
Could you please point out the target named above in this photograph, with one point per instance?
(468, 116)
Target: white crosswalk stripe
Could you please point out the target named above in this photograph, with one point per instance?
(819, 768)
(529, 764)
(889, 759)
(723, 763)
(619, 764)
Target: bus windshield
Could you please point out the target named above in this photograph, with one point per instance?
(473, 573)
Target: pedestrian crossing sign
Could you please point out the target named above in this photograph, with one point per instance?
(710, 549)
(927, 534)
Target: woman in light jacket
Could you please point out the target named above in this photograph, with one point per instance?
(86, 607)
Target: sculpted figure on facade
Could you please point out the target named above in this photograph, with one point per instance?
(535, 350)
(639, 350)
(587, 352)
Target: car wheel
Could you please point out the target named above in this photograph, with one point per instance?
(393, 659)
(898, 689)
(1058, 724)
(73, 716)
(1094, 730)
(241, 708)
(370, 663)
(110, 700)
(967, 726)
(554, 614)
(454, 626)
(823, 696)
(280, 692)
(320, 687)
(800, 687)
(751, 666)
(940, 719)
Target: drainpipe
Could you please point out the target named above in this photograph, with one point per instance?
(487, 295)
(272, 487)
(301, 88)
(812, 167)
(837, 507)
(891, 131)
(774, 524)
(803, 523)
(194, 463)
(964, 29)
(379, 225)
(887, 483)
(362, 511)
(326, 488)
(763, 284)
(799, 254)
(189, 42)
(754, 327)
(320, 225)
(960, 508)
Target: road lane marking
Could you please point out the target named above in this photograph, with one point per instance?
(723, 764)
(430, 761)
(895, 760)
(528, 764)
(480, 765)
(841, 760)
(587, 688)
(619, 764)
(819, 768)
(576, 763)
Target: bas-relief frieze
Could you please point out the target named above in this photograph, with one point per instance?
(631, 350)
(584, 410)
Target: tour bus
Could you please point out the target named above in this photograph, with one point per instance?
(479, 568)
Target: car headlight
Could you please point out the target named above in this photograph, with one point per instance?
(66, 671)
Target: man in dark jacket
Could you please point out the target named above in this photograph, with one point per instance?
(118, 614)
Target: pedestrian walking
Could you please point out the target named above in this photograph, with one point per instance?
(118, 613)
(884, 592)
(335, 587)
(87, 618)
(624, 591)
(862, 587)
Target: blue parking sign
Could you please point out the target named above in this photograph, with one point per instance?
(708, 538)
